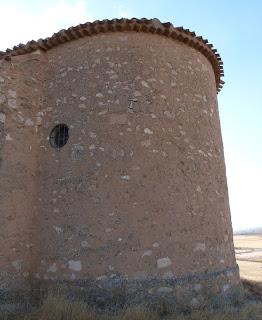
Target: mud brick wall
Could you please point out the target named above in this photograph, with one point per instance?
(21, 110)
(139, 190)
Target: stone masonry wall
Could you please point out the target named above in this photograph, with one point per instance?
(21, 83)
(140, 188)
(139, 191)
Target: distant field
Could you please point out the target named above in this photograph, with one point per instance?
(248, 250)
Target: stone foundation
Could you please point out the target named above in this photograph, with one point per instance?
(211, 289)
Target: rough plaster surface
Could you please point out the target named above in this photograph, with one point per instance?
(139, 191)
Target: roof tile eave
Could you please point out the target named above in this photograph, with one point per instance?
(139, 25)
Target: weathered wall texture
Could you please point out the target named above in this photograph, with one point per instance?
(139, 191)
(21, 85)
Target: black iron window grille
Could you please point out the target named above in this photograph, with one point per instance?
(59, 136)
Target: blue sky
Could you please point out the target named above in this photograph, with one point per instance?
(234, 27)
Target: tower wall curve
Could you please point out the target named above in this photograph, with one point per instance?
(137, 197)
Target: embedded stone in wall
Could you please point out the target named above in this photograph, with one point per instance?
(2, 117)
(75, 265)
(164, 263)
(2, 99)
(12, 103)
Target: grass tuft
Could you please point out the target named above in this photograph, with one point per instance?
(137, 313)
(57, 306)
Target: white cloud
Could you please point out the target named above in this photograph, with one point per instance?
(19, 26)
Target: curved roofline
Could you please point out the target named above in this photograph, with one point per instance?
(153, 26)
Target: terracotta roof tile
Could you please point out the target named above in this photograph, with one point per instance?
(139, 25)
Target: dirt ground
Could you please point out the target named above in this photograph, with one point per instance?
(248, 250)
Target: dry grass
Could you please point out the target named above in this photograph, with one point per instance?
(56, 307)
(61, 310)
(139, 312)
(249, 313)
(253, 289)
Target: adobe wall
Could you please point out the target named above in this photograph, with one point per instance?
(21, 85)
(138, 195)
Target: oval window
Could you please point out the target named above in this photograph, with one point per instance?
(59, 136)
